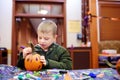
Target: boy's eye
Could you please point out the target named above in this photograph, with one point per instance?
(40, 37)
(46, 38)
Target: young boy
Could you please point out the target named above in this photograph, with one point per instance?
(53, 55)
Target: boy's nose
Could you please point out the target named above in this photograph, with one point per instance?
(42, 40)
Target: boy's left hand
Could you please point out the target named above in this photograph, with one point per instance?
(43, 60)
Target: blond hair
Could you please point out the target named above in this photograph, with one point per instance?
(47, 26)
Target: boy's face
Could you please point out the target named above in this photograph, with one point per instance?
(46, 39)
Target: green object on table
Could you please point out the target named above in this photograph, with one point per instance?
(20, 77)
(27, 75)
(36, 73)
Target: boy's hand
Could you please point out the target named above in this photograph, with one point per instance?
(27, 51)
(42, 59)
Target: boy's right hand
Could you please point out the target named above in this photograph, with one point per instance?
(27, 51)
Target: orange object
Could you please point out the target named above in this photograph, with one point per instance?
(32, 61)
(118, 66)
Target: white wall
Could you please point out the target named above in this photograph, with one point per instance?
(5, 23)
(73, 12)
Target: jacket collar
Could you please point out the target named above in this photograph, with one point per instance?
(50, 48)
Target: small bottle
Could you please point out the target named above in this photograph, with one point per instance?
(72, 47)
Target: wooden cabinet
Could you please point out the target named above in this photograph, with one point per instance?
(109, 24)
(29, 13)
(81, 57)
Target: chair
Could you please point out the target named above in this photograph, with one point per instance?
(108, 46)
(3, 55)
(109, 64)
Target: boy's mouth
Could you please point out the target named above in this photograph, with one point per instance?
(43, 45)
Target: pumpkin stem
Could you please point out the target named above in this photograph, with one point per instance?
(32, 46)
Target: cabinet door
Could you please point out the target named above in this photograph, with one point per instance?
(81, 58)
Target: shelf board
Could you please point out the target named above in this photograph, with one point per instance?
(38, 16)
(44, 1)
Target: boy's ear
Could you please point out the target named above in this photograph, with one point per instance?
(56, 36)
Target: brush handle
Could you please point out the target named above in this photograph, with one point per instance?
(31, 45)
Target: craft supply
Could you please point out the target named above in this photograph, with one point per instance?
(21, 77)
(55, 77)
(92, 75)
(101, 75)
(62, 71)
(32, 76)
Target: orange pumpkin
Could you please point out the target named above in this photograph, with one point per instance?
(32, 61)
(118, 66)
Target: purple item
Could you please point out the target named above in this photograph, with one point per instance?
(22, 47)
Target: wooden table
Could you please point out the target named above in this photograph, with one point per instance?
(109, 56)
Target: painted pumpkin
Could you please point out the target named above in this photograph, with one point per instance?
(118, 66)
(32, 61)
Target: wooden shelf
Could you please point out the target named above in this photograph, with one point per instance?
(25, 9)
(44, 1)
(38, 16)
